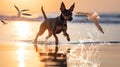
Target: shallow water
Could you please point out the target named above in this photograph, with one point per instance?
(26, 30)
(16, 45)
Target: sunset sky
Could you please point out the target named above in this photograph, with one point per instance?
(101, 6)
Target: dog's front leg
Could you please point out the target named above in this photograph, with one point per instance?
(35, 40)
(65, 33)
(56, 38)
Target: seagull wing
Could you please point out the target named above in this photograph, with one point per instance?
(26, 14)
(17, 8)
(24, 10)
(89, 15)
(84, 13)
(96, 22)
(3, 22)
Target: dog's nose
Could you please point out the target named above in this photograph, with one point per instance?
(70, 19)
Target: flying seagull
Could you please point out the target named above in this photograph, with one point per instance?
(20, 12)
(3, 22)
(95, 18)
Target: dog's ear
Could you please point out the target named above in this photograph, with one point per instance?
(62, 8)
(72, 7)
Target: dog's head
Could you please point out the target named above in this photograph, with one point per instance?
(66, 13)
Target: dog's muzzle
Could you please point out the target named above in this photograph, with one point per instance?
(68, 18)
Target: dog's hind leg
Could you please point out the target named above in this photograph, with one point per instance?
(49, 34)
(41, 31)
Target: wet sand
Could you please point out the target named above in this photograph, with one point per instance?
(24, 55)
(18, 55)
(110, 55)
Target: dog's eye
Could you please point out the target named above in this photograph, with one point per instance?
(66, 14)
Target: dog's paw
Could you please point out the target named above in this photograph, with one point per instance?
(56, 43)
(35, 41)
(68, 39)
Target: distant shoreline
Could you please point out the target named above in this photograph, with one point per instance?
(104, 18)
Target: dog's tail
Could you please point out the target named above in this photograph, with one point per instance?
(45, 17)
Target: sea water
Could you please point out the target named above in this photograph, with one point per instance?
(80, 31)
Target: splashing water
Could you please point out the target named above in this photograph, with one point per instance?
(85, 55)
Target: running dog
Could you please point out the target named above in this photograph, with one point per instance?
(56, 25)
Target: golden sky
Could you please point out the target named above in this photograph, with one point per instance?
(103, 6)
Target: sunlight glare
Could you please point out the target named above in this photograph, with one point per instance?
(21, 54)
(23, 29)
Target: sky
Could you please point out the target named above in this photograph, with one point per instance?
(101, 6)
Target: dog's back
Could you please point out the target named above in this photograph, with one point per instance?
(50, 22)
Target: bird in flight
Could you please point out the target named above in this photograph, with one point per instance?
(21, 12)
(93, 17)
(3, 22)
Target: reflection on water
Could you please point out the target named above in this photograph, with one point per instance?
(21, 54)
(26, 55)
(84, 56)
(22, 29)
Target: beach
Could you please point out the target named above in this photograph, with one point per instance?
(13, 55)
(110, 55)
(17, 48)
(89, 33)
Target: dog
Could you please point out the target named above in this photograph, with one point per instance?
(56, 25)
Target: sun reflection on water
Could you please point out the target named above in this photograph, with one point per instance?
(23, 29)
(21, 54)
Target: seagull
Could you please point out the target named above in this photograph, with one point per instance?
(20, 12)
(3, 22)
(93, 17)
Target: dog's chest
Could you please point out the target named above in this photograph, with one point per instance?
(60, 27)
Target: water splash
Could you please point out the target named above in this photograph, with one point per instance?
(85, 55)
